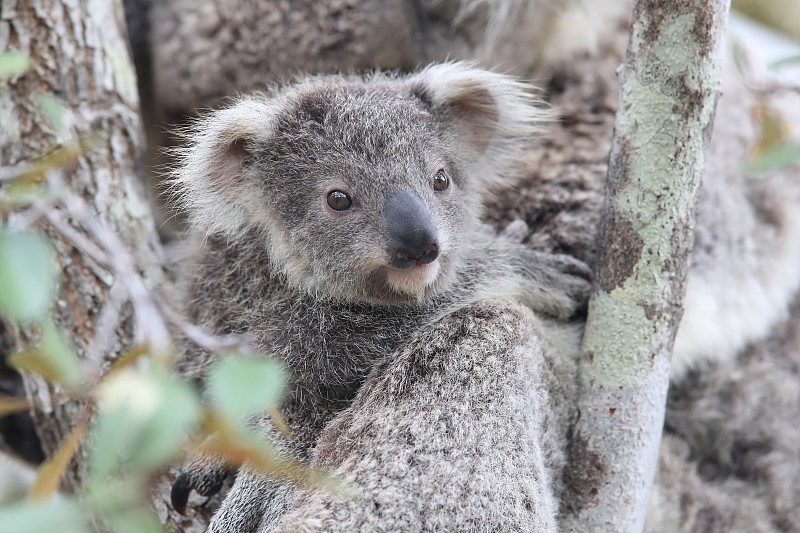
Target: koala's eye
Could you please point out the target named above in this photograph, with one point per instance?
(441, 181)
(339, 201)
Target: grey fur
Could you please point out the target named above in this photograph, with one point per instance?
(737, 476)
(273, 262)
(204, 50)
(190, 54)
(729, 461)
(450, 466)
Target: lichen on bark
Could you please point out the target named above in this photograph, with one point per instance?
(669, 87)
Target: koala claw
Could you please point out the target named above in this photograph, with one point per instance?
(205, 475)
(179, 495)
(571, 280)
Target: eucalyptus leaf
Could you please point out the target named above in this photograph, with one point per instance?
(53, 110)
(121, 504)
(774, 158)
(58, 514)
(55, 348)
(143, 421)
(240, 386)
(27, 276)
(138, 520)
(162, 437)
(785, 62)
(51, 358)
(13, 63)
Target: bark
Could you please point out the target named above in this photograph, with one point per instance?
(669, 87)
(80, 55)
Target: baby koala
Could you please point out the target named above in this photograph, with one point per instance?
(335, 217)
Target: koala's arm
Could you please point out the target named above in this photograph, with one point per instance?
(447, 435)
(551, 284)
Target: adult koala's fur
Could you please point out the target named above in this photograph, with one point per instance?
(332, 291)
(730, 454)
(192, 53)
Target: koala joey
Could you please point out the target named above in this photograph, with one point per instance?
(335, 217)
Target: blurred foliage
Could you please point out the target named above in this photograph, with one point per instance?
(774, 147)
(783, 15)
(140, 416)
(13, 63)
(27, 280)
(790, 61)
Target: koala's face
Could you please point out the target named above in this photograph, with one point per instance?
(364, 196)
(362, 189)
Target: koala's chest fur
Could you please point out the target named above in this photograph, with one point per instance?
(327, 346)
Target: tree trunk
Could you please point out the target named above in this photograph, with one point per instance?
(79, 54)
(669, 88)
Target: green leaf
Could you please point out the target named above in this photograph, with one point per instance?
(52, 358)
(13, 63)
(140, 520)
(785, 62)
(62, 515)
(113, 433)
(121, 505)
(54, 348)
(241, 386)
(143, 422)
(53, 110)
(162, 437)
(774, 158)
(110, 495)
(27, 277)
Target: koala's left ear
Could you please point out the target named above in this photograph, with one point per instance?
(211, 178)
(495, 116)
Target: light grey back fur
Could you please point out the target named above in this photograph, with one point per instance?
(746, 260)
(444, 436)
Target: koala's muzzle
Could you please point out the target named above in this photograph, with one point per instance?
(412, 237)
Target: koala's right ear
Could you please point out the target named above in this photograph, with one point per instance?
(210, 178)
(495, 117)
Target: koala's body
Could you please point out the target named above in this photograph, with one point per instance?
(336, 217)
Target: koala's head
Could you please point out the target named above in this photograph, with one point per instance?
(360, 189)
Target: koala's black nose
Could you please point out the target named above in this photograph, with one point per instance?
(412, 237)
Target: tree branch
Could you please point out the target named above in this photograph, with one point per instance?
(669, 87)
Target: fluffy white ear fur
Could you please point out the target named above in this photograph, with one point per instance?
(207, 178)
(496, 116)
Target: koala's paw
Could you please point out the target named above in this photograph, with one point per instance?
(203, 473)
(564, 287)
